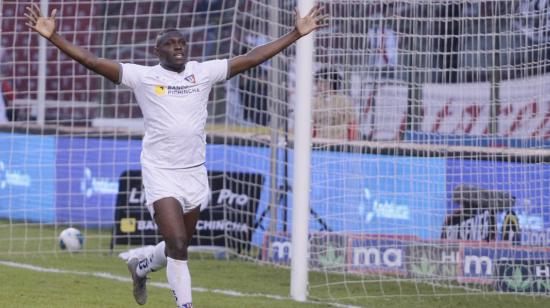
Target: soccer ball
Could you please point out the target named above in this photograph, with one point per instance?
(71, 240)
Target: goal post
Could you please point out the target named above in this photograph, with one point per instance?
(42, 62)
(302, 164)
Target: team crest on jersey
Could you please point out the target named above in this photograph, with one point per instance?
(190, 78)
(160, 90)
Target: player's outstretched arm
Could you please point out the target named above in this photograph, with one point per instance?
(45, 26)
(304, 25)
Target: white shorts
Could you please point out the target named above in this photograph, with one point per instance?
(188, 186)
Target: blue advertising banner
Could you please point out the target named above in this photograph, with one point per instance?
(27, 177)
(88, 170)
(479, 264)
(528, 184)
(379, 194)
(350, 192)
(75, 180)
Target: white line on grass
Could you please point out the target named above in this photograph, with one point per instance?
(158, 284)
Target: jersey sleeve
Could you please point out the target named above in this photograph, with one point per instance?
(217, 70)
(131, 74)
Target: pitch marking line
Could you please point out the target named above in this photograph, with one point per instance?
(158, 284)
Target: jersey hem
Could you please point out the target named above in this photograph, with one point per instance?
(172, 167)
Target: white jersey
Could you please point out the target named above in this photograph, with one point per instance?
(174, 110)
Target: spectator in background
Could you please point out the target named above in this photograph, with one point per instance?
(334, 116)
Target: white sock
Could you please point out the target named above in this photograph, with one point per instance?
(179, 280)
(155, 261)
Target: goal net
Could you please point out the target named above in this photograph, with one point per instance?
(430, 137)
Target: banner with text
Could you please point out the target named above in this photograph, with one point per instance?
(456, 108)
(228, 221)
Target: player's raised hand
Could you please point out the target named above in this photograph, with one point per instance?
(43, 25)
(313, 20)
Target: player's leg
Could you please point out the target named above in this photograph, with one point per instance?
(139, 268)
(154, 261)
(177, 228)
(157, 258)
(140, 291)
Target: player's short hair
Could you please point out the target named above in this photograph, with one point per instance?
(164, 32)
(330, 75)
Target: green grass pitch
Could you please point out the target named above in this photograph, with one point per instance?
(96, 278)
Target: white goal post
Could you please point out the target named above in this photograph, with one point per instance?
(302, 150)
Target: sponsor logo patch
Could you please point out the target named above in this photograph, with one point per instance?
(190, 78)
(175, 90)
(160, 90)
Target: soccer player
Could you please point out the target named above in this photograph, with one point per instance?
(172, 96)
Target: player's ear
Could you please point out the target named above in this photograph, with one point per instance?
(156, 51)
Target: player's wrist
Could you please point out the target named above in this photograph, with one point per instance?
(296, 33)
(52, 36)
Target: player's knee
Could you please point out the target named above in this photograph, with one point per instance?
(176, 247)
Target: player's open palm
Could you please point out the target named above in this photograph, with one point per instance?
(36, 21)
(311, 21)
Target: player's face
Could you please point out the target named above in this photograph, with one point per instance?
(172, 51)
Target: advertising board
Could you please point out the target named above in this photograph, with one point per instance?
(27, 177)
(483, 263)
(87, 183)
